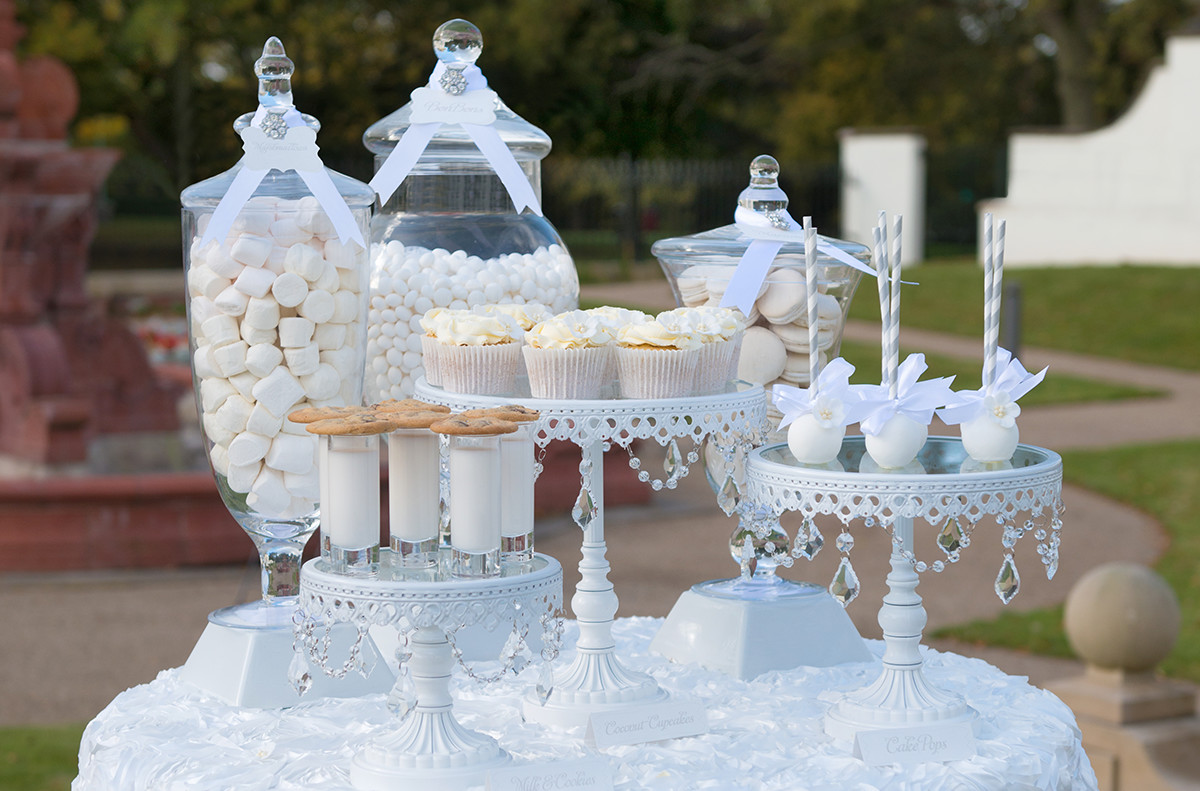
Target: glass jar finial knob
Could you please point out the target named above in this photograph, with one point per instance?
(764, 195)
(274, 71)
(457, 41)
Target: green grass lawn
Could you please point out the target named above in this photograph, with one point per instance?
(1164, 481)
(39, 758)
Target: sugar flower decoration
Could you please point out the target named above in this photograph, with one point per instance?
(830, 407)
(915, 400)
(999, 402)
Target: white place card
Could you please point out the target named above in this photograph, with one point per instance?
(585, 774)
(640, 724)
(938, 743)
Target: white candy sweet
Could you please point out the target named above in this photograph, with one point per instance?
(220, 330)
(342, 360)
(763, 356)
(203, 363)
(262, 313)
(240, 477)
(255, 282)
(251, 221)
(345, 307)
(262, 358)
(268, 495)
(222, 263)
(289, 289)
(253, 335)
(330, 336)
(251, 250)
(295, 331)
(261, 421)
(213, 392)
(329, 280)
(206, 283)
(233, 413)
(343, 256)
(288, 233)
(306, 485)
(278, 391)
(302, 360)
(247, 448)
(292, 453)
(323, 383)
(303, 260)
(219, 436)
(232, 301)
(349, 280)
(897, 443)
(220, 459)
(317, 306)
(231, 358)
(201, 309)
(985, 439)
(244, 383)
(812, 443)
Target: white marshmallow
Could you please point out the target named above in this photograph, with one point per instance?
(214, 431)
(302, 360)
(330, 336)
(240, 477)
(349, 280)
(220, 459)
(278, 391)
(201, 309)
(295, 331)
(325, 382)
(262, 313)
(292, 453)
(344, 360)
(343, 256)
(203, 363)
(262, 358)
(233, 414)
(220, 261)
(206, 283)
(220, 330)
(317, 307)
(263, 422)
(250, 221)
(289, 289)
(292, 427)
(244, 383)
(255, 282)
(275, 259)
(286, 232)
(247, 448)
(329, 279)
(202, 222)
(251, 250)
(213, 392)
(268, 496)
(231, 358)
(306, 485)
(304, 261)
(345, 307)
(254, 335)
(232, 301)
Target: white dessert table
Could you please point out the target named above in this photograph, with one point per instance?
(764, 735)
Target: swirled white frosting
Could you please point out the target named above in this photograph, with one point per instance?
(575, 329)
(468, 328)
(526, 315)
(711, 324)
(666, 334)
(616, 318)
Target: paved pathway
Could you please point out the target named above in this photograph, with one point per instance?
(73, 641)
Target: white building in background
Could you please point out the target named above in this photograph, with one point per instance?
(1127, 193)
(883, 171)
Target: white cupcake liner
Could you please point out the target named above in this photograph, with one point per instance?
(717, 365)
(656, 373)
(479, 370)
(430, 360)
(567, 373)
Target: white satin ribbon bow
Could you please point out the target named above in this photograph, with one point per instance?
(1012, 382)
(915, 400)
(412, 144)
(296, 151)
(767, 241)
(834, 394)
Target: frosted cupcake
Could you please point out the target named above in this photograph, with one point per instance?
(567, 356)
(719, 331)
(526, 316)
(655, 360)
(476, 353)
(430, 358)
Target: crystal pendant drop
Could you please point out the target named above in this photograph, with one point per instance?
(1008, 581)
(810, 542)
(298, 674)
(545, 684)
(729, 496)
(402, 698)
(674, 461)
(951, 538)
(1052, 568)
(844, 542)
(585, 508)
(844, 587)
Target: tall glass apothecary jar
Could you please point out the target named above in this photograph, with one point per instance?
(275, 252)
(460, 225)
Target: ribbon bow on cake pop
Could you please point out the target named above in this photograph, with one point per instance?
(915, 400)
(830, 407)
(999, 401)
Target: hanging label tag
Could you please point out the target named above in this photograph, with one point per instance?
(937, 743)
(590, 774)
(637, 725)
(297, 150)
(430, 106)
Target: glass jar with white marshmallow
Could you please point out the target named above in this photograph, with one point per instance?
(450, 235)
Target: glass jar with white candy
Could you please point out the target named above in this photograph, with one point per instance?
(459, 179)
(275, 253)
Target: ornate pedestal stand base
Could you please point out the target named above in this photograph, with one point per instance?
(901, 697)
(244, 654)
(748, 627)
(430, 750)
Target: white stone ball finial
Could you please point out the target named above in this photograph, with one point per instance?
(1122, 616)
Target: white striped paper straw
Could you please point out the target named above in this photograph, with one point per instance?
(885, 311)
(810, 275)
(894, 327)
(991, 306)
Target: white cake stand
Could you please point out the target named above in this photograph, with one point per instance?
(430, 750)
(597, 681)
(952, 490)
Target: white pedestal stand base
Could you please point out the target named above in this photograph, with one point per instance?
(430, 751)
(747, 627)
(246, 664)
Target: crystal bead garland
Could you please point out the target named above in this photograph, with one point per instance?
(675, 465)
